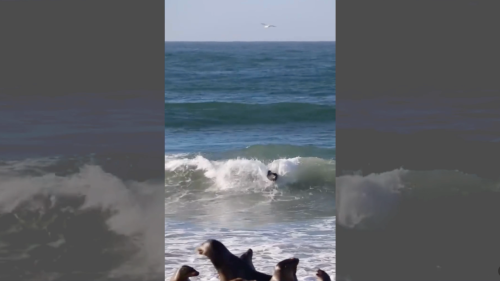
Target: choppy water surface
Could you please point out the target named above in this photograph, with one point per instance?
(233, 111)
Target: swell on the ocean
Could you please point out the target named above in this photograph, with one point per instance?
(59, 222)
(278, 151)
(179, 115)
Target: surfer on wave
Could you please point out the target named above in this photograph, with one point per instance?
(272, 176)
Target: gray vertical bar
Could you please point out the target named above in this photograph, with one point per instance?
(81, 143)
(418, 140)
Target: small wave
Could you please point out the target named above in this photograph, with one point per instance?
(276, 151)
(55, 226)
(242, 174)
(223, 114)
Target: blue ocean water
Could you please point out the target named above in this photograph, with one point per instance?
(233, 111)
(259, 93)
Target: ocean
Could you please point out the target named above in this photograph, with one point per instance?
(418, 188)
(78, 173)
(232, 112)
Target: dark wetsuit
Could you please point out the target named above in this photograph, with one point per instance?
(272, 176)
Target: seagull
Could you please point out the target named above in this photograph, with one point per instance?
(267, 25)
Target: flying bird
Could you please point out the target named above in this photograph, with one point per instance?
(267, 25)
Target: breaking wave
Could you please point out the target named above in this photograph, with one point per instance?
(437, 224)
(61, 222)
(242, 174)
(366, 201)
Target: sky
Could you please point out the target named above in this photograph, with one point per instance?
(240, 20)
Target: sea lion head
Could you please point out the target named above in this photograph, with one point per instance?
(322, 276)
(215, 251)
(247, 258)
(247, 255)
(188, 271)
(184, 273)
(285, 270)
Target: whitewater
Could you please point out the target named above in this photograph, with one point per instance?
(232, 200)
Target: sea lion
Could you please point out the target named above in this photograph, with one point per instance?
(285, 270)
(183, 273)
(295, 270)
(228, 265)
(247, 257)
(322, 276)
(272, 176)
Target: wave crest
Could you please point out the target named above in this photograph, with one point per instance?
(370, 201)
(277, 151)
(242, 174)
(86, 221)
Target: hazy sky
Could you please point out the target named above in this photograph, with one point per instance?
(240, 20)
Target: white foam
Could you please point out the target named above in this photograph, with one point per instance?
(242, 173)
(228, 174)
(131, 203)
(367, 200)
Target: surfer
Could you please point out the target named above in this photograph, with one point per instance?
(272, 176)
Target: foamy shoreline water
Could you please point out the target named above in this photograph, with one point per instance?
(313, 242)
(232, 201)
